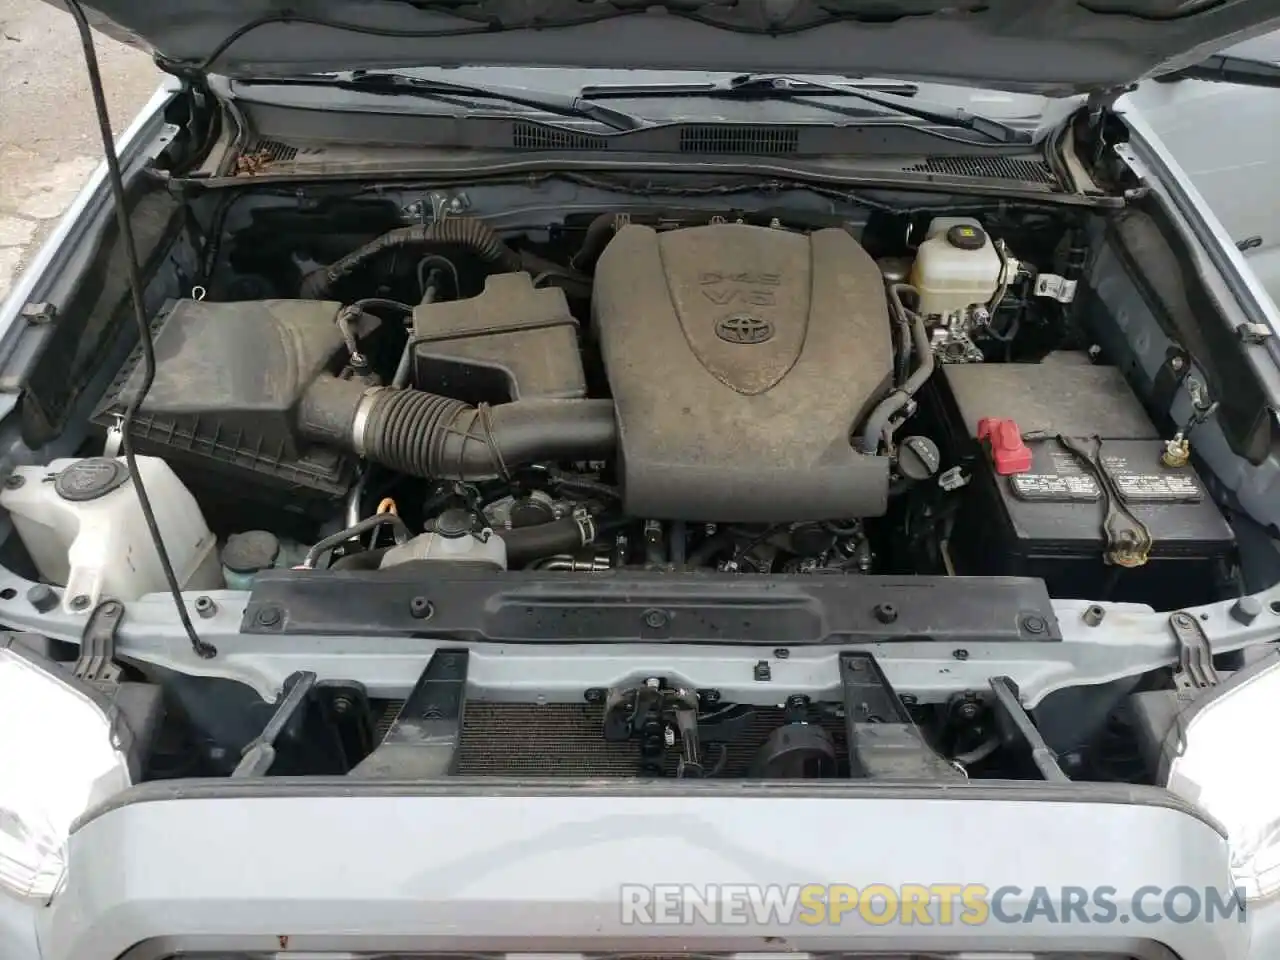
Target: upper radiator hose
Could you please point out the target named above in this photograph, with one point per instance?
(427, 435)
(468, 232)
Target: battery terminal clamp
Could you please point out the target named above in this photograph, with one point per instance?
(1177, 451)
(1001, 436)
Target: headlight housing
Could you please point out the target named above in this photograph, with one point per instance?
(58, 756)
(1225, 769)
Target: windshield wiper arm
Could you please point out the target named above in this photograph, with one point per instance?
(624, 91)
(775, 87)
(368, 81)
(1223, 69)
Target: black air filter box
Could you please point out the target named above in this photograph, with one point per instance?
(228, 380)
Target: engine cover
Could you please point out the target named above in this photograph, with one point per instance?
(740, 359)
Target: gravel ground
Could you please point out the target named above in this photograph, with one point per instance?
(48, 136)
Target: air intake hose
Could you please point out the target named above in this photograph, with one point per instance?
(426, 435)
(474, 235)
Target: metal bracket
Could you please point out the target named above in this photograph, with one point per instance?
(97, 661)
(1101, 101)
(423, 739)
(38, 313)
(1168, 379)
(1253, 333)
(436, 206)
(659, 717)
(1195, 670)
(882, 740)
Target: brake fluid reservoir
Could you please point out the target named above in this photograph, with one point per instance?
(956, 267)
(247, 554)
(83, 527)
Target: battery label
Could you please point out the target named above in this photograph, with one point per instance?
(1061, 478)
(1156, 488)
(1055, 487)
(1140, 484)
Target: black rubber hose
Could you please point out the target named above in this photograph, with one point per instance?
(364, 526)
(886, 409)
(475, 235)
(581, 486)
(527, 544)
(704, 552)
(425, 435)
(599, 232)
(363, 560)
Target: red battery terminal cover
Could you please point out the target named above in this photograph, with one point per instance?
(1003, 438)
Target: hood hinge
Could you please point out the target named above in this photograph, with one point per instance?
(1100, 102)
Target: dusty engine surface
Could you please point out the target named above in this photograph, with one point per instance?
(740, 358)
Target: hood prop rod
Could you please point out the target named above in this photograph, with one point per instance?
(116, 181)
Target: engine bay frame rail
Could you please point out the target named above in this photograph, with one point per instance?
(625, 606)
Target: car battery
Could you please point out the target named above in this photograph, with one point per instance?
(1039, 506)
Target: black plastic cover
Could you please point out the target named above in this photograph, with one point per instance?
(1066, 394)
(512, 342)
(228, 380)
(740, 359)
(472, 604)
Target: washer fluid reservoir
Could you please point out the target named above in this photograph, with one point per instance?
(956, 268)
(83, 527)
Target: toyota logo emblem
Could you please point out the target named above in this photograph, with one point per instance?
(744, 328)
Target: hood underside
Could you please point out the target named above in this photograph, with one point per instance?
(1055, 47)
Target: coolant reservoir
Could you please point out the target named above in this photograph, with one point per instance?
(956, 267)
(82, 525)
(452, 539)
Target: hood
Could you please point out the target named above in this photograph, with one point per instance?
(1053, 47)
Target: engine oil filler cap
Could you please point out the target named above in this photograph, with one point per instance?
(90, 479)
(965, 236)
(1008, 453)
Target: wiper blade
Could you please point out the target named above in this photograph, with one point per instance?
(774, 87)
(398, 84)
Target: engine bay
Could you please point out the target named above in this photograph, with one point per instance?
(618, 423)
(699, 392)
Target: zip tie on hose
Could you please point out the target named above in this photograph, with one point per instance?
(484, 413)
(483, 417)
